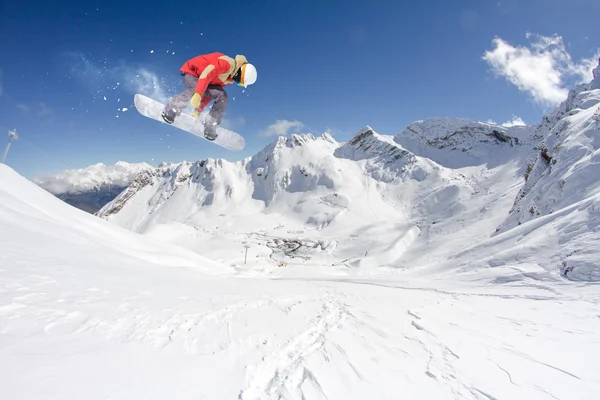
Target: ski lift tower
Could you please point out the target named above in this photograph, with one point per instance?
(11, 135)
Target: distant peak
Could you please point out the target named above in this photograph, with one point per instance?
(361, 135)
(328, 138)
(368, 143)
(296, 139)
(366, 129)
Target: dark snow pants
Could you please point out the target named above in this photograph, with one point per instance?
(178, 103)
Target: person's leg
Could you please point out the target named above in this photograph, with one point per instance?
(178, 103)
(219, 95)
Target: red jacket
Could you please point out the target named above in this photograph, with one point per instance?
(213, 69)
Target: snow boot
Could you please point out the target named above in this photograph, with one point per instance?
(166, 118)
(210, 130)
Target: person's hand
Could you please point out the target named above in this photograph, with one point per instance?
(196, 100)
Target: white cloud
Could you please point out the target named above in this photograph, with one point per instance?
(334, 132)
(282, 127)
(544, 69)
(233, 123)
(516, 121)
(44, 111)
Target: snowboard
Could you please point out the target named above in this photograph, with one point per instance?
(152, 109)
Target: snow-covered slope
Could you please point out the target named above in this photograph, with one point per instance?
(89, 310)
(91, 188)
(566, 166)
(561, 194)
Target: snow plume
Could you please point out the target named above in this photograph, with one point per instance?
(516, 121)
(104, 79)
(145, 82)
(282, 127)
(84, 179)
(544, 70)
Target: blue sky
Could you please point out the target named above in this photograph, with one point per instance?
(322, 66)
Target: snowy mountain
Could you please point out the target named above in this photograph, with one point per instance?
(441, 182)
(562, 187)
(440, 139)
(393, 206)
(88, 309)
(559, 192)
(91, 188)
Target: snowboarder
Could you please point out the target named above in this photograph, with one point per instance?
(205, 77)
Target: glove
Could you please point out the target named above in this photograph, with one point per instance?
(196, 100)
(195, 113)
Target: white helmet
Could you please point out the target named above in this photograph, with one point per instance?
(248, 75)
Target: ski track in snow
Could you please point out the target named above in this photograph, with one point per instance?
(282, 372)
